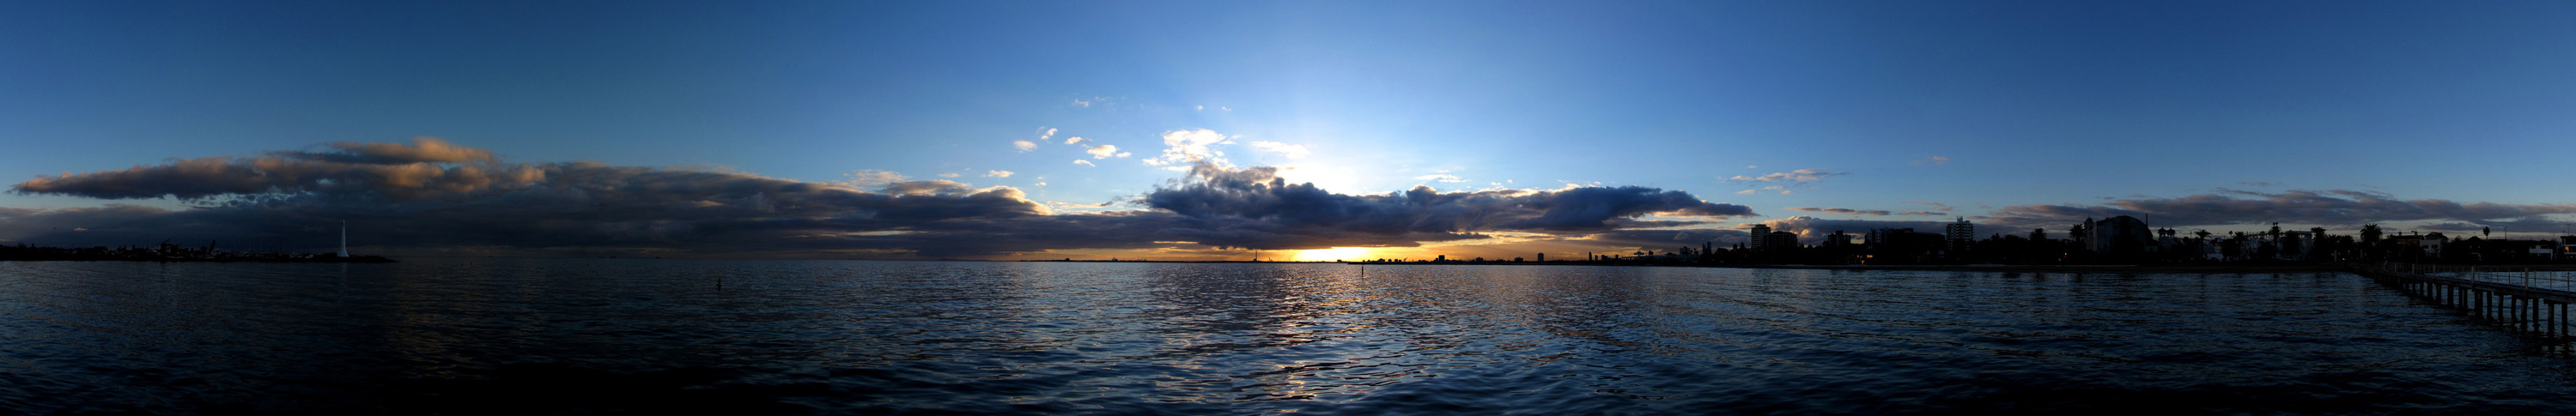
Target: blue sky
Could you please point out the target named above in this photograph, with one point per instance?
(1973, 105)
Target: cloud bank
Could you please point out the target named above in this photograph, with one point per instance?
(432, 197)
(2330, 207)
(1254, 208)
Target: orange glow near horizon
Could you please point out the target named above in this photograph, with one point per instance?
(1332, 254)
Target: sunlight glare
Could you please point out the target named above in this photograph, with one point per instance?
(1332, 254)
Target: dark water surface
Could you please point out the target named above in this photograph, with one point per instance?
(607, 335)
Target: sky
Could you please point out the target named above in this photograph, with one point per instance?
(1025, 130)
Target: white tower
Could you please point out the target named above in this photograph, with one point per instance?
(344, 239)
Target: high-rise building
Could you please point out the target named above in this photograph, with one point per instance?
(1755, 237)
(1837, 239)
(2122, 233)
(1959, 234)
(1777, 240)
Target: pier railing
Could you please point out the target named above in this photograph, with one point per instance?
(2561, 280)
(2523, 299)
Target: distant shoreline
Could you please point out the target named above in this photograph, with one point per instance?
(2031, 268)
(353, 259)
(2044, 268)
(362, 259)
(2070, 268)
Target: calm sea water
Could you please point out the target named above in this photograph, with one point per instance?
(607, 335)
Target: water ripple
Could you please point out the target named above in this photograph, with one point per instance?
(547, 336)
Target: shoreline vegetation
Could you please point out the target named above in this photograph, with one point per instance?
(167, 252)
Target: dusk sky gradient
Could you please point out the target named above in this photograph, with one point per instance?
(1673, 121)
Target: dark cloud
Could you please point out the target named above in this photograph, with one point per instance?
(1878, 212)
(1932, 213)
(431, 197)
(1254, 208)
(2230, 207)
(2520, 227)
(422, 150)
(428, 167)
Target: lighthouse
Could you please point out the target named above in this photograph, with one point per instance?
(344, 239)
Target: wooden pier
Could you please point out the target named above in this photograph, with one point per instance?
(2530, 301)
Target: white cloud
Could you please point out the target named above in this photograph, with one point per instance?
(948, 175)
(1103, 151)
(1024, 145)
(1077, 102)
(1440, 178)
(871, 178)
(1191, 146)
(1200, 108)
(1084, 163)
(1041, 183)
(1126, 154)
(1940, 160)
(1226, 108)
(1745, 192)
(1800, 176)
(1073, 140)
(1050, 133)
(1292, 151)
(998, 174)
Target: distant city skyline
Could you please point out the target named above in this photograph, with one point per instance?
(1203, 131)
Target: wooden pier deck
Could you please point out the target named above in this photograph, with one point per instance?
(2527, 300)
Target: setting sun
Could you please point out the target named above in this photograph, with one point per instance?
(1333, 254)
